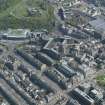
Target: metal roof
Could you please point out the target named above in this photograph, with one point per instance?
(98, 24)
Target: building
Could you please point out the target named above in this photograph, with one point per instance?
(37, 81)
(34, 62)
(70, 3)
(15, 34)
(99, 26)
(72, 101)
(52, 53)
(82, 97)
(33, 12)
(45, 59)
(57, 77)
(68, 72)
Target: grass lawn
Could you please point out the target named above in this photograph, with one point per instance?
(20, 10)
(16, 15)
(8, 9)
(101, 80)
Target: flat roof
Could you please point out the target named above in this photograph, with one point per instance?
(98, 24)
(16, 32)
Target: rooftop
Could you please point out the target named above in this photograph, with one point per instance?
(98, 24)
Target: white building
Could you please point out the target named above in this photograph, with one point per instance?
(16, 33)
